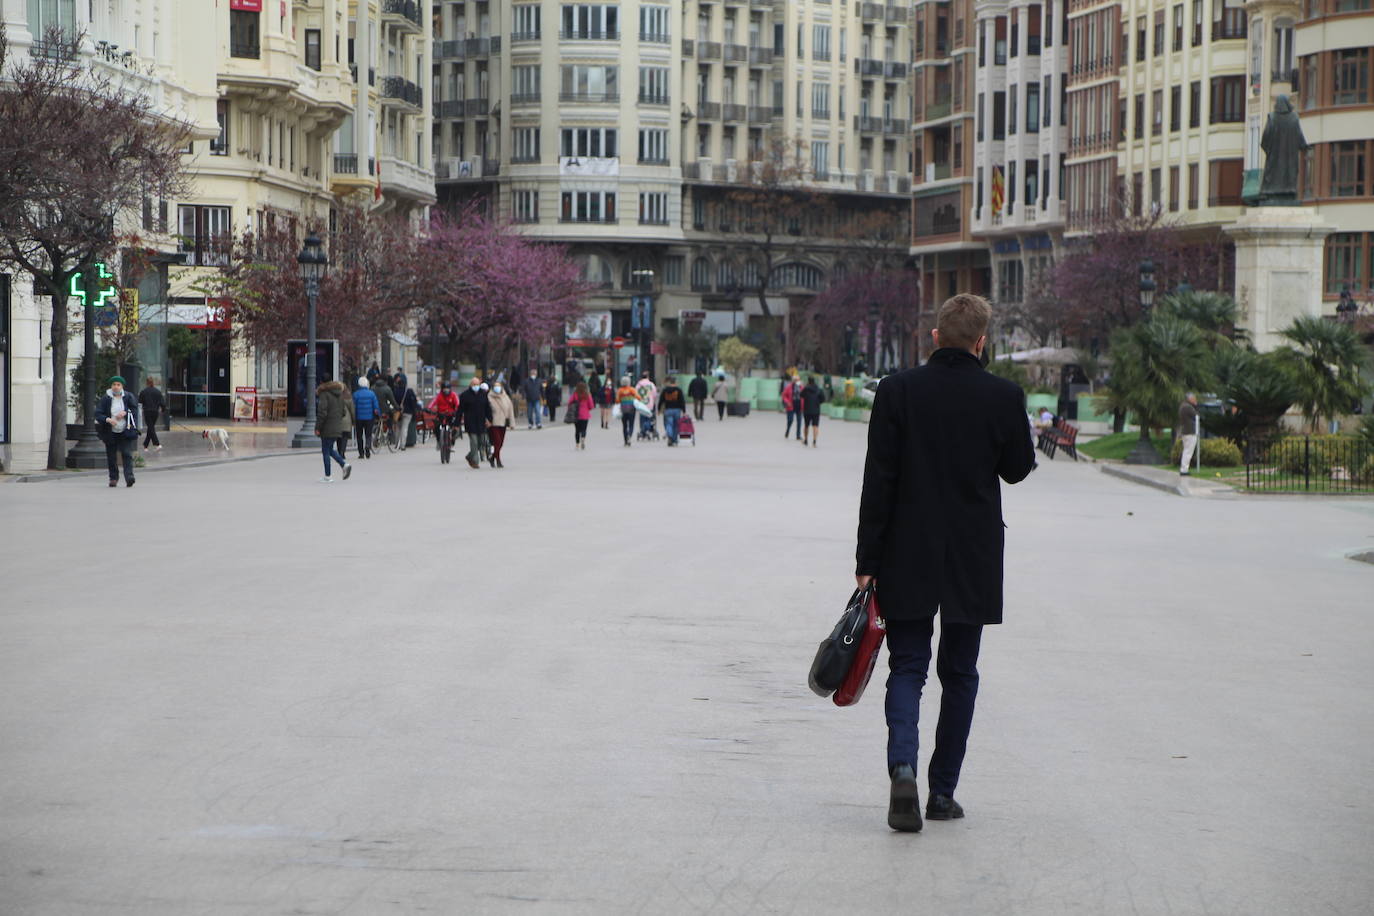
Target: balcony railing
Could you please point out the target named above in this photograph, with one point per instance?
(867, 66)
(66, 50)
(247, 49)
(689, 48)
(402, 89)
(760, 56)
(346, 163)
(736, 53)
(895, 13)
(587, 219)
(655, 160)
(491, 167)
(708, 50)
(524, 36)
(1286, 76)
(894, 70)
(476, 107)
(655, 38)
(760, 114)
(896, 126)
(589, 96)
(709, 111)
(371, 74)
(590, 35)
(1230, 25)
(525, 98)
(450, 108)
(869, 12)
(866, 124)
(653, 98)
(937, 110)
(407, 9)
(732, 112)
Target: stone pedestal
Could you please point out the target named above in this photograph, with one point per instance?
(1278, 269)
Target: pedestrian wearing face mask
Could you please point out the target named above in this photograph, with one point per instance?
(475, 408)
(502, 418)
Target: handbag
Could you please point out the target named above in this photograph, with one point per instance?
(846, 658)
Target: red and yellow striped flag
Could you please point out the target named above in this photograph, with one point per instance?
(997, 189)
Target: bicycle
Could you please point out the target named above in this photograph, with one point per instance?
(384, 433)
(443, 433)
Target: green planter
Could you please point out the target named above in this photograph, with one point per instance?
(1093, 409)
(749, 390)
(854, 413)
(1036, 401)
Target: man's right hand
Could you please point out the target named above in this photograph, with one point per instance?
(863, 581)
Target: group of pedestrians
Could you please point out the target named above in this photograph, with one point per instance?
(802, 404)
(541, 396)
(339, 413)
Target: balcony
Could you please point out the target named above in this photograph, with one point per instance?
(869, 12)
(524, 36)
(894, 14)
(347, 164)
(475, 169)
(588, 219)
(708, 111)
(406, 180)
(894, 70)
(589, 97)
(761, 4)
(653, 98)
(403, 13)
(732, 112)
(736, 53)
(760, 57)
(936, 110)
(708, 50)
(247, 49)
(590, 35)
(476, 108)
(450, 108)
(525, 98)
(1286, 76)
(654, 38)
(371, 74)
(868, 125)
(399, 89)
(896, 127)
(466, 48)
(347, 177)
(867, 66)
(1230, 25)
(689, 48)
(760, 114)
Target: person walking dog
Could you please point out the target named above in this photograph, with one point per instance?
(150, 399)
(116, 422)
(931, 535)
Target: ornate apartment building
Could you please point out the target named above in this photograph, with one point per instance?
(621, 128)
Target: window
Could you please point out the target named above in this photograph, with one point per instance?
(219, 146)
(701, 273)
(978, 123)
(582, 83)
(820, 101)
(1032, 182)
(149, 225)
(1048, 95)
(1197, 23)
(1350, 76)
(1138, 131)
(1346, 255)
(588, 207)
(1228, 99)
(653, 24)
(591, 21)
(1173, 189)
(1015, 33)
(52, 14)
(205, 233)
(525, 19)
(801, 44)
(588, 143)
(999, 43)
(653, 146)
(653, 85)
(801, 96)
(1049, 28)
(1348, 168)
(1011, 109)
(1192, 185)
(1157, 113)
(526, 207)
(1175, 108)
(999, 116)
(1120, 120)
(1140, 39)
(1178, 27)
(312, 48)
(1225, 177)
(1033, 108)
(1138, 194)
(1156, 189)
(1011, 185)
(525, 143)
(524, 84)
(795, 275)
(653, 208)
(672, 270)
(820, 42)
(820, 159)
(1195, 103)
(243, 34)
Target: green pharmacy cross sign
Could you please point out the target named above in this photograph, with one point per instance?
(106, 293)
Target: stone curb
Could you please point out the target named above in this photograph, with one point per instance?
(1125, 473)
(209, 462)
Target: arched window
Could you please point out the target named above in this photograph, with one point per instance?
(749, 278)
(805, 276)
(596, 269)
(701, 274)
(725, 275)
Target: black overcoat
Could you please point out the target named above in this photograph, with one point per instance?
(475, 409)
(930, 520)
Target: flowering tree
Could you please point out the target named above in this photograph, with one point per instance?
(76, 152)
(891, 298)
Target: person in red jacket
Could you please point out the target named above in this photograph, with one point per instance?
(445, 403)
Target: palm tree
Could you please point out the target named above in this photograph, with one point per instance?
(1213, 313)
(1259, 386)
(1325, 359)
(1153, 364)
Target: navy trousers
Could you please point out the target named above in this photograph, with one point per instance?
(956, 664)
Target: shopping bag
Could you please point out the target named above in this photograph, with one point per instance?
(846, 658)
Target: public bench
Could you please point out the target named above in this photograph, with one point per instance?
(1062, 434)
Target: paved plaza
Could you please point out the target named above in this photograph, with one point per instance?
(578, 685)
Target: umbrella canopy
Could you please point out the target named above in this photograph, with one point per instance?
(1044, 356)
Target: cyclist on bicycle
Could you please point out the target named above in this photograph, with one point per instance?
(444, 406)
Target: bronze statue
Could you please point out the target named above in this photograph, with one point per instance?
(1282, 143)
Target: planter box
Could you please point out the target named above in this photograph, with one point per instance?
(737, 409)
(1035, 401)
(853, 413)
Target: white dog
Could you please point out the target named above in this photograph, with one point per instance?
(216, 437)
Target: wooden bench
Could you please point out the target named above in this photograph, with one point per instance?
(1062, 435)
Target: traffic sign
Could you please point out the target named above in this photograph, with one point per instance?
(617, 342)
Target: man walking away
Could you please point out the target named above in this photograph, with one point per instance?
(553, 398)
(721, 395)
(409, 405)
(365, 408)
(930, 536)
(810, 401)
(332, 405)
(696, 390)
(116, 420)
(1187, 431)
(792, 403)
(150, 399)
(672, 402)
(534, 402)
(475, 409)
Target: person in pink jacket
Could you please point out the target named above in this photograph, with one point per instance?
(580, 409)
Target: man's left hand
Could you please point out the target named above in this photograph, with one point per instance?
(863, 581)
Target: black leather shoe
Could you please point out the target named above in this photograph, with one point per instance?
(943, 808)
(904, 809)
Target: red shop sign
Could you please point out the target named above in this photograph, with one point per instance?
(248, 6)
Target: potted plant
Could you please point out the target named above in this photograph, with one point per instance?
(737, 356)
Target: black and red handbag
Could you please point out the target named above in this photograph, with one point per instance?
(846, 658)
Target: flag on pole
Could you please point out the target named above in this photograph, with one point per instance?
(997, 189)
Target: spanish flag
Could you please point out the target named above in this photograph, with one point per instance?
(997, 191)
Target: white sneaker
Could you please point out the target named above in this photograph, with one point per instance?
(159, 448)
(326, 480)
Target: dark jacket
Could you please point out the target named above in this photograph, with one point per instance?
(696, 389)
(553, 394)
(930, 520)
(104, 410)
(531, 390)
(332, 416)
(670, 398)
(150, 399)
(409, 402)
(1187, 420)
(475, 409)
(811, 399)
(386, 398)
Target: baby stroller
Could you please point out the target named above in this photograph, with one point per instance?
(648, 425)
(686, 429)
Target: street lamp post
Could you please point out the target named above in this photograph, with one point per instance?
(89, 451)
(873, 315)
(314, 263)
(642, 318)
(1145, 451)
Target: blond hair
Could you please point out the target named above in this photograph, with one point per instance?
(962, 320)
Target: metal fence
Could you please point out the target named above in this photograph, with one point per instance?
(1309, 464)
